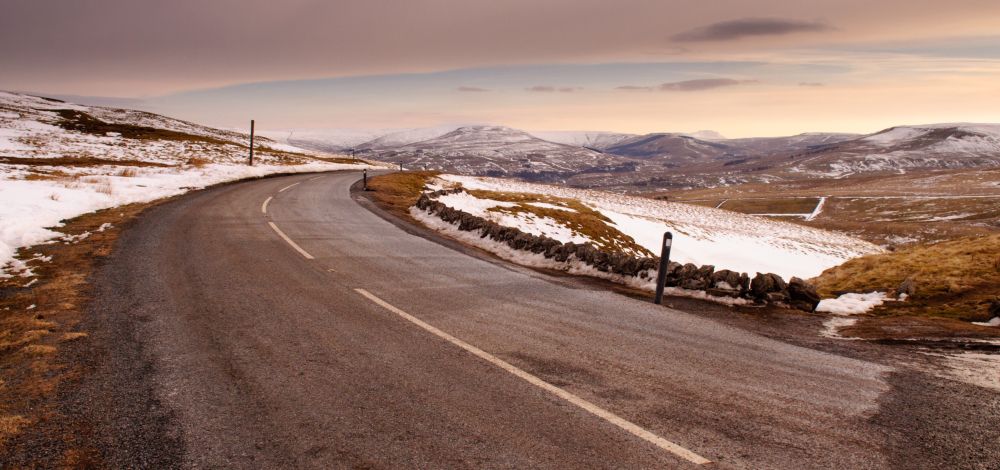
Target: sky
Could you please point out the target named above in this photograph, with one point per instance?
(739, 67)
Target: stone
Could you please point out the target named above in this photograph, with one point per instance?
(764, 284)
(994, 309)
(722, 292)
(726, 279)
(802, 295)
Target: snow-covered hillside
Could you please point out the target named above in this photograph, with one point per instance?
(593, 140)
(902, 148)
(59, 160)
(406, 137)
(702, 235)
(499, 151)
(324, 140)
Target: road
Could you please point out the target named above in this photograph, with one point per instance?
(279, 323)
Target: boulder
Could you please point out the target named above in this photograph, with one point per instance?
(764, 284)
(726, 280)
(802, 295)
(694, 283)
(705, 273)
(994, 309)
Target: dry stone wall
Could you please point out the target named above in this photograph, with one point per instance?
(762, 288)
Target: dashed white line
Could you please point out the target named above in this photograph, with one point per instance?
(287, 187)
(315, 178)
(298, 248)
(263, 207)
(606, 415)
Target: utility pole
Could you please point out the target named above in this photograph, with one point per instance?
(251, 142)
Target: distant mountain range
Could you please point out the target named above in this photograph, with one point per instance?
(609, 159)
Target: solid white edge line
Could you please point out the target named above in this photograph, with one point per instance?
(263, 207)
(287, 187)
(606, 415)
(290, 242)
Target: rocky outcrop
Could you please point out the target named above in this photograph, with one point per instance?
(764, 288)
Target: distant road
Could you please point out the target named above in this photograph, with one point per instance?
(279, 324)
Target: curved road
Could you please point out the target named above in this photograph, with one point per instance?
(319, 335)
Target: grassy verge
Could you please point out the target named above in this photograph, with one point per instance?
(955, 280)
(397, 192)
(41, 313)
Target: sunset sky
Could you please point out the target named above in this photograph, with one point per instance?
(742, 68)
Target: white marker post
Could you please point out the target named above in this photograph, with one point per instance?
(661, 276)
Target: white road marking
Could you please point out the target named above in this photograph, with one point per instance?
(290, 242)
(533, 380)
(287, 187)
(263, 207)
(316, 177)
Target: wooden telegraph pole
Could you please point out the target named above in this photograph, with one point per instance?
(251, 142)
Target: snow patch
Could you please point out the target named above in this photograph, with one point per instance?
(704, 235)
(852, 304)
(995, 321)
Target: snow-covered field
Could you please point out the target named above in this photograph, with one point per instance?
(49, 173)
(702, 235)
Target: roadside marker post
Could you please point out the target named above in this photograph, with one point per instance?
(661, 275)
(251, 142)
(364, 176)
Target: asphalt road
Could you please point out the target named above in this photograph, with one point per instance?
(366, 346)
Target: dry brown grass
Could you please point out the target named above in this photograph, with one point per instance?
(80, 121)
(78, 162)
(46, 175)
(127, 172)
(397, 192)
(579, 218)
(197, 162)
(30, 337)
(11, 425)
(771, 205)
(954, 279)
(345, 160)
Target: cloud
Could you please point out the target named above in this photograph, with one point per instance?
(700, 84)
(471, 89)
(746, 27)
(551, 89)
(811, 84)
(634, 88)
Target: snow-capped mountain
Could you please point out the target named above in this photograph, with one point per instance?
(591, 140)
(673, 149)
(498, 150)
(405, 137)
(788, 145)
(901, 148)
(324, 140)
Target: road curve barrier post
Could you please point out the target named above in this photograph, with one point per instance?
(251, 142)
(364, 177)
(661, 275)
